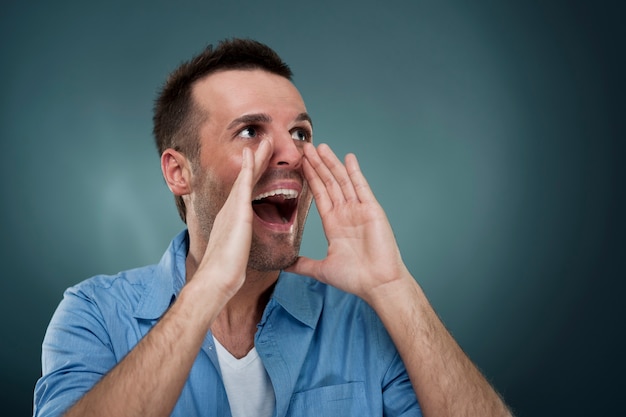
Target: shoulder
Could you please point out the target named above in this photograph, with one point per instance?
(153, 284)
(103, 298)
(125, 286)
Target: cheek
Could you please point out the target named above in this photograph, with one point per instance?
(305, 203)
(222, 169)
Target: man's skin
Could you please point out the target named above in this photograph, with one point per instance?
(257, 140)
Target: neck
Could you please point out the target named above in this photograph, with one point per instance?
(235, 325)
(245, 309)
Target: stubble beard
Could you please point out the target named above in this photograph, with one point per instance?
(284, 248)
(281, 254)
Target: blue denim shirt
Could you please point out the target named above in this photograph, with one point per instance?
(326, 352)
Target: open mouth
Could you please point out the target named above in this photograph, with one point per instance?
(276, 206)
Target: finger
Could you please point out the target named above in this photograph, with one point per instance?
(231, 230)
(360, 184)
(332, 187)
(316, 185)
(339, 172)
(238, 201)
(262, 157)
(243, 182)
(253, 164)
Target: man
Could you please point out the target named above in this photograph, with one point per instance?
(232, 321)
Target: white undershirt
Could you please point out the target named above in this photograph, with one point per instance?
(248, 386)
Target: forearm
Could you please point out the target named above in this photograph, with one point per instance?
(445, 381)
(149, 380)
(363, 259)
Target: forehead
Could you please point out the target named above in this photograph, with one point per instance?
(237, 92)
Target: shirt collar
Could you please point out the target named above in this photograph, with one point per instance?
(300, 296)
(165, 281)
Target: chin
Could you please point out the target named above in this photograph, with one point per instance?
(275, 257)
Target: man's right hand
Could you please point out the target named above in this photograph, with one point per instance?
(226, 256)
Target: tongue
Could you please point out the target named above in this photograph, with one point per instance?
(268, 212)
(274, 209)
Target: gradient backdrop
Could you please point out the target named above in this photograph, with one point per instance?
(491, 131)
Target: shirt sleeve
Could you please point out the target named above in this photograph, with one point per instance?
(399, 398)
(76, 353)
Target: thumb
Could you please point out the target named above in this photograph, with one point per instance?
(306, 266)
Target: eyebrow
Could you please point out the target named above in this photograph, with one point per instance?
(250, 119)
(304, 117)
(264, 118)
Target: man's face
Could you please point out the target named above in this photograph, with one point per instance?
(243, 107)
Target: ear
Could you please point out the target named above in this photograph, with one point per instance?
(176, 171)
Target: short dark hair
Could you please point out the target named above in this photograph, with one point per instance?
(176, 118)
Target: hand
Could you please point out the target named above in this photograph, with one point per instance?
(226, 256)
(362, 250)
(363, 258)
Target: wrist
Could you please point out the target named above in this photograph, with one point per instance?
(201, 300)
(394, 291)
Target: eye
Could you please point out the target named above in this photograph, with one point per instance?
(248, 132)
(301, 134)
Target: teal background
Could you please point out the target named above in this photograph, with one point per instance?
(491, 131)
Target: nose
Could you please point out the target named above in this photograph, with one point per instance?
(287, 152)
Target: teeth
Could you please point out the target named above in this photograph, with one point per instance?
(287, 194)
